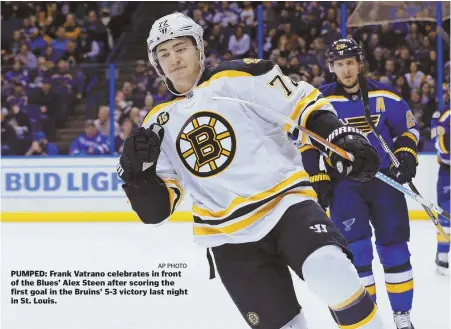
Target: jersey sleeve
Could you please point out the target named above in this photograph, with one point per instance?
(440, 132)
(165, 171)
(288, 99)
(402, 124)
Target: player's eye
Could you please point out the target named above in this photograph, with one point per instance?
(180, 49)
(164, 55)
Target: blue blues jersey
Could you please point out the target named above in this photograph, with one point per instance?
(89, 145)
(389, 113)
(440, 133)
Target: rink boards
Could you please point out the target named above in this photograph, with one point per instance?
(88, 189)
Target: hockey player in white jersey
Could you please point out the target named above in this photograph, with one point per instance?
(252, 203)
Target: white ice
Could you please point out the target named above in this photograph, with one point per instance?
(134, 246)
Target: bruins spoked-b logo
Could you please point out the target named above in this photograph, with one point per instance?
(206, 144)
(253, 318)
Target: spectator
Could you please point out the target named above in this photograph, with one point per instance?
(162, 95)
(59, 44)
(8, 137)
(91, 142)
(95, 28)
(22, 126)
(148, 105)
(126, 129)
(72, 30)
(216, 39)
(42, 72)
(376, 60)
(17, 74)
(402, 87)
(429, 64)
(135, 117)
(18, 97)
(41, 146)
(50, 55)
(141, 75)
(269, 15)
(414, 78)
(414, 38)
(36, 42)
(102, 122)
(247, 16)
(26, 57)
(71, 56)
(17, 41)
(123, 107)
(52, 113)
(239, 43)
(404, 59)
(417, 108)
(88, 48)
(390, 70)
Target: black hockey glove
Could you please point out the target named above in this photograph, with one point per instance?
(140, 152)
(323, 187)
(366, 159)
(408, 161)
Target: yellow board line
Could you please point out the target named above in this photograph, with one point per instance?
(178, 216)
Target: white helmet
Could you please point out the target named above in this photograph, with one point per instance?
(170, 27)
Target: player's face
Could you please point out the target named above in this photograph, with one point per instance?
(347, 70)
(179, 59)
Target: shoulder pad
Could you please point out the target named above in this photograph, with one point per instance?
(157, 108)
(328, 89)
(379, 86)
(249, 65)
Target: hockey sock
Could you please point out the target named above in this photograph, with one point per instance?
(442, 245)
(398, 275)
(331, 276)
(362, 250)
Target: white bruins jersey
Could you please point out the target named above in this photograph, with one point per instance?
(237, 164)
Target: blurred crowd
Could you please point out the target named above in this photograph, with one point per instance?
(44, 47)
(296, 36)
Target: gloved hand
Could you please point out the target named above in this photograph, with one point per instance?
(408, 161)
(323, 187)
(140, 152)
(366, 159)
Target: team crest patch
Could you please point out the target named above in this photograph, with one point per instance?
(253, 318)
(206, 144)
(163, 118)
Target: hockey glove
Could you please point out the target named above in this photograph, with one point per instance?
(323, 187)
(140, 152)
(407, 169)
(366, 159)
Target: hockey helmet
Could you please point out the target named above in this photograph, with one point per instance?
(344, 48)
(170, 27)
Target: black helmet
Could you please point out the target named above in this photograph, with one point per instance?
(344, 48)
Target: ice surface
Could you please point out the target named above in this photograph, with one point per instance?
(134, 246)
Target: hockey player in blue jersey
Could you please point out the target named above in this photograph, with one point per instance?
(440, 133)
(356, 205)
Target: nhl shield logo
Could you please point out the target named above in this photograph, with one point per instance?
(253, 318)
(206, 144)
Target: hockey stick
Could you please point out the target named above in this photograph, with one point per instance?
(366, 104)
(336, 149)
(280, 117)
